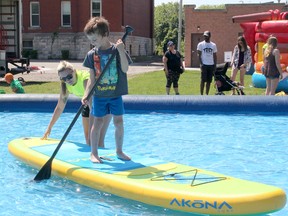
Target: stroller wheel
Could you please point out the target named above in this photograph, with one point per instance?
(240, 92)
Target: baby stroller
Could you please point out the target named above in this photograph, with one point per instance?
(223, 82)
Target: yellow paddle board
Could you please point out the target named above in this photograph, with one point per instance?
(151, 181)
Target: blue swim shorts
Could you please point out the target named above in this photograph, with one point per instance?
(104, 106)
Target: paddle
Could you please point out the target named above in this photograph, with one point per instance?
(45, 171)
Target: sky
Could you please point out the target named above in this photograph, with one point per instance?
(215, 2)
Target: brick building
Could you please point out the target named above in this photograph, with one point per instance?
(219, 22)
(53, 26)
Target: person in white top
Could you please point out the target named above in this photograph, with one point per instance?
(208, 59)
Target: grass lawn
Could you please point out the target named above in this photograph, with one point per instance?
(189, 84)
(145, 84)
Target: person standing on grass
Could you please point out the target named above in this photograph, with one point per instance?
(74, 82)
(241, 60)
(208, 59)
(107, 97)
(173, 67)
(272, 67)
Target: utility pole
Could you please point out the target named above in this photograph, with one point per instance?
(179, 26)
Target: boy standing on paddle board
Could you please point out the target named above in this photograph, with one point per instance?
(74, 81)
(107, 97)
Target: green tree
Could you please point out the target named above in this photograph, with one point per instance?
(166, 26)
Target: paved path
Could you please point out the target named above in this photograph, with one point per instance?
(47, 69)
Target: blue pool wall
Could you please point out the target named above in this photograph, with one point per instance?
(161, 103)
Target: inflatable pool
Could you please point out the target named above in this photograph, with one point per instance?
(161, 183)
(156, 103)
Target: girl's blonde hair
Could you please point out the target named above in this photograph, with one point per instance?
(63, 65)
(272, 44)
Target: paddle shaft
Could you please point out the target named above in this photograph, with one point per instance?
(45, 171)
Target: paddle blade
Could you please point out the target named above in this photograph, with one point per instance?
(45, 171)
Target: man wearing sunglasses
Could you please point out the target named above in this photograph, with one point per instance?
(74, 82)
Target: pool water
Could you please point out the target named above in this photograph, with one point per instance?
(252, 147)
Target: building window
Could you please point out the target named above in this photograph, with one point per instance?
(34, 14)
(66, 13)
(96, 8)
(27, 45)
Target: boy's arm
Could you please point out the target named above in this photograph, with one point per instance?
(14, 89)
(122, 54)
(13, 86)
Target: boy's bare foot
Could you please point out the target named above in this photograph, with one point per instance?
(95, 159)
(123, 156)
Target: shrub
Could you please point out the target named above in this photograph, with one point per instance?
(65, 54)
(32, 54)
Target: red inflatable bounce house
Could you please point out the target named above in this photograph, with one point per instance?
(257, 28)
